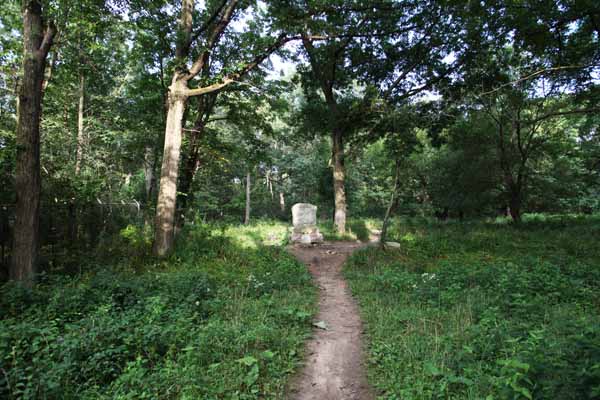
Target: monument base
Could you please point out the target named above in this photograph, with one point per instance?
(304, 218)
(307, 236)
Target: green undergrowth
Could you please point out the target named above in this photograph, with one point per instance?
(215, 321)
(356, 229)
(259, 233)
(483, 310)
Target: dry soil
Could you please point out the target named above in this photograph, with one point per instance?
(334, 368)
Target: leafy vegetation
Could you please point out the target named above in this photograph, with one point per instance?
(215, 321)
(483, 310)
(136, 136)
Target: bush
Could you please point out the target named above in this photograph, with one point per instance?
(213, 321)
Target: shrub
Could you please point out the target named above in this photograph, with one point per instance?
(176, 328)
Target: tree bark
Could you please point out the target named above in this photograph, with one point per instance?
(37, 40)
(167, 195)
(282, 202)
(326, 76)
(515, 204)
(149, 160)
(192, 158)
(178, 94)
(247, 213)
(80, 133)
(339, 177)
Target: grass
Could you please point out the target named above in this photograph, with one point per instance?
(257, 234)
(460, 311)
(224, 318)
(356, 229)
(483, 310)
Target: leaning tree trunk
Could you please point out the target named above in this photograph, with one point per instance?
(247, 213)
(339, 175)
(167, 194)
(36, 45)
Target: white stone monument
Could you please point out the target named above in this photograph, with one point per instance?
(304, 218)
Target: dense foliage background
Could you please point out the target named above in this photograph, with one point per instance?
(471, 128)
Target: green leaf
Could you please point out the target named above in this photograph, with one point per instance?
(248, 361)
(432, 369)
(252, 376)
(267, 354)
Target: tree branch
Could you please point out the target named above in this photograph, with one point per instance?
(48, 39)
(569, 112)
(533, 75)
(213, 38)
(281, 40)
(208, 89)
(209, 22)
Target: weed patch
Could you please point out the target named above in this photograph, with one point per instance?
(474, 310)
(214, 321)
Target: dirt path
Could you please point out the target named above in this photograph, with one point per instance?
(334, 368)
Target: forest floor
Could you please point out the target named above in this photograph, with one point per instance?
(226, 316)
(334, 367)
(482, 309)
(471, 310)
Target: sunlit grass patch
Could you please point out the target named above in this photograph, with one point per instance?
(259, 233)
(356, 229)
(475, 310)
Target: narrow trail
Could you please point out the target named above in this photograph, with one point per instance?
(334, 368)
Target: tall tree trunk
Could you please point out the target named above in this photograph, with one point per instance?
(191, 160)
(37, 40)
(339, 176)
(391, 206)
(78, 156)
(282, 202)
(247, 214)
(149, 160)
(326, 76)
(178, 94)
(167, 194)
(270, 184)
(80, 133)
(515, 204)
(164, 229)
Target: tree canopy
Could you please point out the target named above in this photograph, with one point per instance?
(476, 108)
